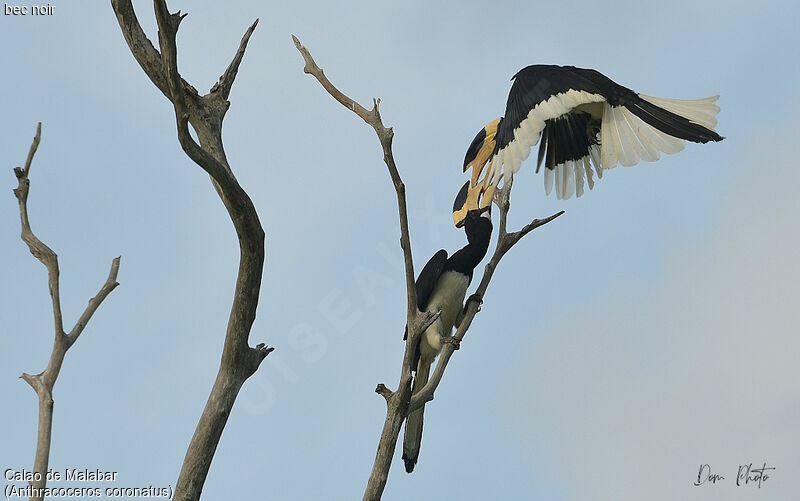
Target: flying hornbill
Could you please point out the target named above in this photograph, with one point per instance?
(442, 285)
(583, 119)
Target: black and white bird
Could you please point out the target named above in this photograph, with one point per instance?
(442, 286)
(580, 118)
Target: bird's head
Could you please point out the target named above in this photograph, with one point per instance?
(477, 194)
(477, 222)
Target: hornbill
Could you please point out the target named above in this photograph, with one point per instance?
(583, 118)
(441, 286)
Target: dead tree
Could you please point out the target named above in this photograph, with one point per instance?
(401, 402)
(206, 113)
(44, 382)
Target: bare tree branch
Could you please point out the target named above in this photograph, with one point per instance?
(94, 303)
(223, 86)
(401, 402)
(383, 391)
(206, 114)
(416, 321)
(385, 135)
(44, 382)
(32, 151)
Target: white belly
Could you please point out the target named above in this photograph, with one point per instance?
(448, 295)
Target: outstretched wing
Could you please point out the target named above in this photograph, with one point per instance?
(539, 95)
(584, 118)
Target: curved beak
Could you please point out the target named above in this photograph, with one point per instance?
(467, 201)
(480, 150)
(476, 193)
(459, 206)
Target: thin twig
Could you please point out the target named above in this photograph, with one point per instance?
(94, 303)
(223, 86)
(385, 135)
(32, 151)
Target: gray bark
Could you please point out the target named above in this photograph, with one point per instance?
(206, 114)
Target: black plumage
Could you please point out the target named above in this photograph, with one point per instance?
(573, 133)
(428, 277)
(441, 286)
(580, 118)
(536, 83)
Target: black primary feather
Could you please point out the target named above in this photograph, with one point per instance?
(567, 137)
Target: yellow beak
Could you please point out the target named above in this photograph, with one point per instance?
(466, 201)
(478, 193)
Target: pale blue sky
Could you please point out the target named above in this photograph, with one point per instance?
(583, 375)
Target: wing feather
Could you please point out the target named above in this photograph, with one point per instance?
(549, 105)
(426, 281)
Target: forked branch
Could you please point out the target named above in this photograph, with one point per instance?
(44, 382)
(206, 114)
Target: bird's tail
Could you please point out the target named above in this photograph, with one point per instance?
(653, 125)
(413, 435)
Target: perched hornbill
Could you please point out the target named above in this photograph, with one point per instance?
(442, 285)
(582, 118)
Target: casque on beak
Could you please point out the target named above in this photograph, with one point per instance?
(481, 149)
(477, 193)
(467, 203)
(466, 200)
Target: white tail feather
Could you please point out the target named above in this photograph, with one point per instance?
(549, 176)
(594, 152)
(626, 139)
(651, 146)
(570, 189)
(608, 141)
(629, 146)
(644, 148)
(577, 166)
(700, 111)
(661, 140)
(587, 166)
(560, 182)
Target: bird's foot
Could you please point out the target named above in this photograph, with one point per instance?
(475, 297)
(452, 340)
